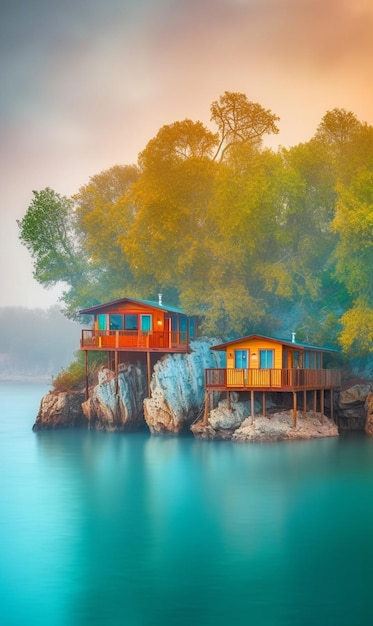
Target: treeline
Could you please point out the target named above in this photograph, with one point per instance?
(254, 240)
(35, 342)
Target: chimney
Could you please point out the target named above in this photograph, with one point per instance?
(293, 337)
(160, 299)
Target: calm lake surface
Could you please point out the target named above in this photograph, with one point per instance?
(135, 530)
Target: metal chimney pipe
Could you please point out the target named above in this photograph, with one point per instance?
(160, 299)
(293, 337)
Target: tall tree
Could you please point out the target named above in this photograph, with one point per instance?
(240, 121)
(166, 240)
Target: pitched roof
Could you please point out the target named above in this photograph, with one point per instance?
(284, 342)
(147, 303)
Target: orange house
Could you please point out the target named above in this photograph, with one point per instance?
(266, 364)
(128, 326)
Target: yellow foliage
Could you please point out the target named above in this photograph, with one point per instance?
(357, 333)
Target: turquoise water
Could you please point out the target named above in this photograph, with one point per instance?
(134, 530)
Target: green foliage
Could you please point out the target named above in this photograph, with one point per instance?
(72, 378)
(47, 230)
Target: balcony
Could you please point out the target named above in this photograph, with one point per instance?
(271, 379)
(134, 340)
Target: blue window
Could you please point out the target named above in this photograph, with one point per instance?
(309, 360)
(241, 359)
(116, 322)
(266, 359)
(192, 327)
(130, 321)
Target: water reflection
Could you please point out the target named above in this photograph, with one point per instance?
(99, 528)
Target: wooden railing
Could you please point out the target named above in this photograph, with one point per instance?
(135, 339)
(275, 379)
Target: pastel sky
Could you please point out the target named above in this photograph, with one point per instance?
(85, 84)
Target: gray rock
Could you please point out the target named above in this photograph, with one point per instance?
(107, 410)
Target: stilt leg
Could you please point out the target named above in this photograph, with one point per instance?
(86, 374)
(116, 371)
(149, 369)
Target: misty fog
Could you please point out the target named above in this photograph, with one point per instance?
(35, 343)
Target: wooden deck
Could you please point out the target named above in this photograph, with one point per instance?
(134, 341)
(271, 379)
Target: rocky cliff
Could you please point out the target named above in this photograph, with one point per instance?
(176, 403)
(178, 388)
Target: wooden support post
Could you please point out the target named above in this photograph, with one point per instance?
(206, 413)
(304, 404)
(322, 405)
(252, 402)
(264, 403)
(228, 400)
(212, 400)
(149, 370)
(315, 401)
(332, 405)
(294, 408)
(86, 375)
(116, 371)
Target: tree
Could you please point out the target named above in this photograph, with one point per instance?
(177, 142)
(48, 232)
(165, 244)
(356, 336)
(240, 121)
(337, 128)
(104, 214)
(353, 223)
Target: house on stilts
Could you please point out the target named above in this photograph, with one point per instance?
(257, 364)
(128, 327)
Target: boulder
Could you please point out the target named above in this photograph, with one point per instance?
(351, 413)
(60, 410)
(274, 427)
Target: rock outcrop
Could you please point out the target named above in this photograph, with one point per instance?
(236, 424)
(351, 410)
(60, 410)
(121, 409)
(178, 388)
